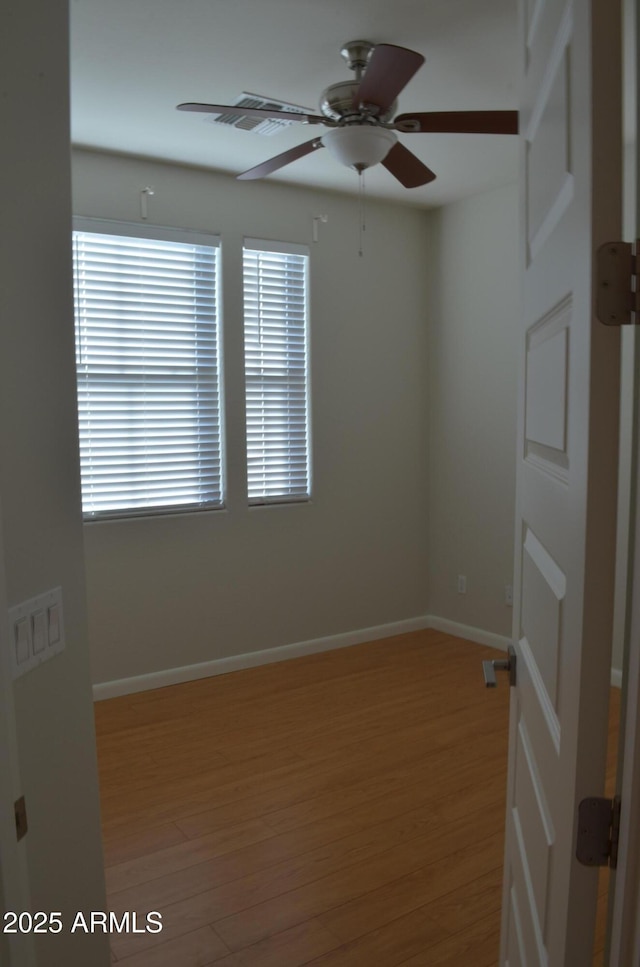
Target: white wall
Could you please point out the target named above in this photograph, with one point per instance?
(169, 592)
(39, 483)
(473, 382)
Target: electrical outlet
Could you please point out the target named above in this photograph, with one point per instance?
(462, 584)
(508, 595)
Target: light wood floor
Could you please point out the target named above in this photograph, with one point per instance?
(341, 809)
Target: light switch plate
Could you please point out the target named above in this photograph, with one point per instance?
(39, 631)
(36, 631)
(22, 640)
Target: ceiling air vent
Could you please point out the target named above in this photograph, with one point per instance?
(255, 124)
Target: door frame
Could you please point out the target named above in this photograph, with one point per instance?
(625, 928)
(14, 871)
(624, 904)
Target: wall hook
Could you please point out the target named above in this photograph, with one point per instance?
(144, 194)
(316, 219)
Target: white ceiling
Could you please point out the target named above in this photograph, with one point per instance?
(132, 61)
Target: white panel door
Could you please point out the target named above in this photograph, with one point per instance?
(566, 483)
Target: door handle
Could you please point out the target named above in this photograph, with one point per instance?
(500, 665)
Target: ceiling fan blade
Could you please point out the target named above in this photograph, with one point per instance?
(263, 114)
(280, 160)
(408, 169)
(458, 122)
(389, 70)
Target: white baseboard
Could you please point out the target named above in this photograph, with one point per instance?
(220, 666)
(492, 640)
(469, 633)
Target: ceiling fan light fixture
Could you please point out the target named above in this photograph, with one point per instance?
(359, 146)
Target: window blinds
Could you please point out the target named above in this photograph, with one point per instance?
(148, 373)
(276, 371)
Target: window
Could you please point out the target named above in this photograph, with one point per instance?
(276, 371)
(148, 370)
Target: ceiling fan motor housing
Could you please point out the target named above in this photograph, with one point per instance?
(337, 104)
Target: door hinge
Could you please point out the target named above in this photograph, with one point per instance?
(617, 291)
(598, 832)
(20, 813)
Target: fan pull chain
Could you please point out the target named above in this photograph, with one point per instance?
(362, 212)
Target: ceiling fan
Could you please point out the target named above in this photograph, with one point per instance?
(359, 114)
